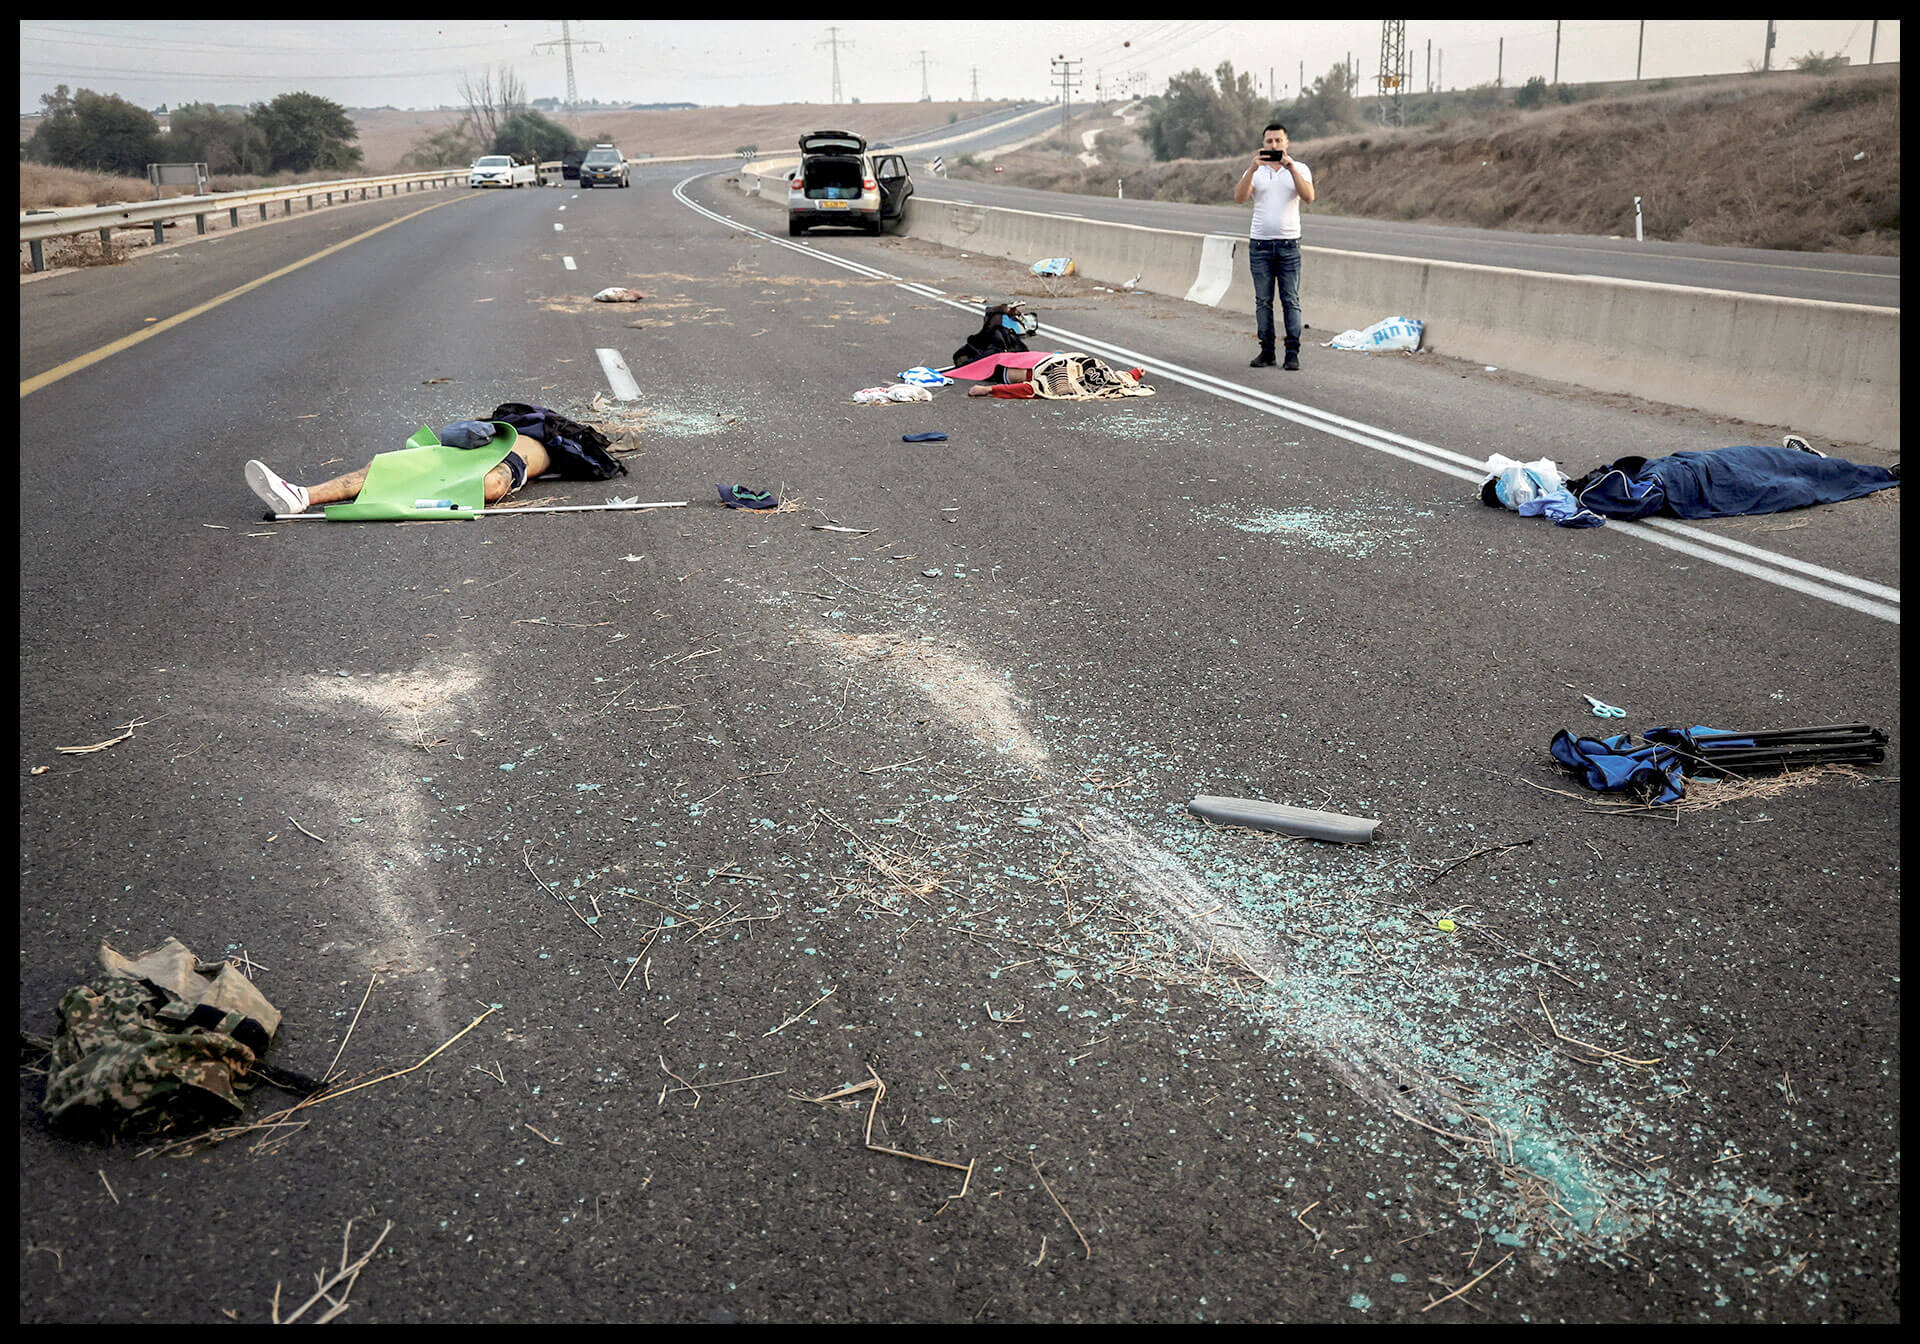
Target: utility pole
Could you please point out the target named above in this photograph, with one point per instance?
(1429, 65)
(1440, 69)
(1068, 73)
(1639, 51)
(1393, 63)
(1873, 41)
(835, 42)
(1766, 56)
(1500, 65)
(1556, 51)
(567, 44)
(925, 97)
(976, 83)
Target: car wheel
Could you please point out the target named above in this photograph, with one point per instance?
(795, 228)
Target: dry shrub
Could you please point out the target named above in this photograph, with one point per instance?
(1764, 164)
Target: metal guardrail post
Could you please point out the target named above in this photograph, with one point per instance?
(39, 255)
(200, 224)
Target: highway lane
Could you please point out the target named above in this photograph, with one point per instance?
(911, 797)
(1831, 277)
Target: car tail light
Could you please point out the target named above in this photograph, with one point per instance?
(869, 184)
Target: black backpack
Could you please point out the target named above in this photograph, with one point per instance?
(995, 336)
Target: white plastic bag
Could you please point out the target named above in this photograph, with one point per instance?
(908, 392)
(1389, 333)
(1518, 484)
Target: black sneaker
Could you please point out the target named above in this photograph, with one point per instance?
(1293, 363)
(1263, 360)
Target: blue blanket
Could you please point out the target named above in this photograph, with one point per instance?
(1725, 483)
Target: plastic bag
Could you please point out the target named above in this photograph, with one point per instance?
(1389, 333)
(1518, 484)
(1053, 266)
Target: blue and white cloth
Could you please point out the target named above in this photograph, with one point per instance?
(922, 376)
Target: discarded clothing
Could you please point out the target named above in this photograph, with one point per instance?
(923, 438)
(922, 376)
(1389, 333)
(1011, 391)
(873, 396)
(619, 294)
(1078, 377)
(746, 497)
(575, 451)
(466, 434)
(995, 365)
(159, 1041)
(1725, 483)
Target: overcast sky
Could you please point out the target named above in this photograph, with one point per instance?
(419, 63)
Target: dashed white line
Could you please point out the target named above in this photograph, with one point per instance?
(559, 228)
(569, 263)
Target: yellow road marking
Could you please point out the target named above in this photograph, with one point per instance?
(92, 357)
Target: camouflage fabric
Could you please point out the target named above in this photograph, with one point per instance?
(131, 1058)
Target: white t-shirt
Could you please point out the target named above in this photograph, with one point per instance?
(1276, 201)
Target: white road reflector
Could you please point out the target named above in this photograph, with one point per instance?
(569, 263)
(559, 228)
(624, 388)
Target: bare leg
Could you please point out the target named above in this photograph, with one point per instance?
(338, 490)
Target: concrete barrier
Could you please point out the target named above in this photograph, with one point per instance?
(1831, 370)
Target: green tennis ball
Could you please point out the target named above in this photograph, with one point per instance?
(1446, 926)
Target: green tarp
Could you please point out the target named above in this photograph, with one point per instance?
(426, 469)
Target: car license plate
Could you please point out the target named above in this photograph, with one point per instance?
(833, 205)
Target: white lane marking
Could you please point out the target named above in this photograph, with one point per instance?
(624, 388)
(559, 228)
(563, 207)
(569, 263)
(1769, 566)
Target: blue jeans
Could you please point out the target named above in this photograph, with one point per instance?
(1270, 260)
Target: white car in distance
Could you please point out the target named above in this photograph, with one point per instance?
(502, 170)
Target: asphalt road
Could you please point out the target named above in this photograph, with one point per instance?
(690, 820)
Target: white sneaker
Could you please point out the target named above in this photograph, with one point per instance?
(281, 496)
(1800, 445)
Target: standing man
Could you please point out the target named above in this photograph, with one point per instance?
(1276, 183)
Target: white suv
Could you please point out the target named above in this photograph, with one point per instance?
(839, 182)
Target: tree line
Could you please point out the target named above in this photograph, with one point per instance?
(1198, 118)
(104, 133)
(294, 133)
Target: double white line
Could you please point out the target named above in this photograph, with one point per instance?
(1828, 585)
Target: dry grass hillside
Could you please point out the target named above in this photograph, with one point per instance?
(388, 133)
(1773, 165)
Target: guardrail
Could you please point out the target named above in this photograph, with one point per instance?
(1827, 369)
(36, 226)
